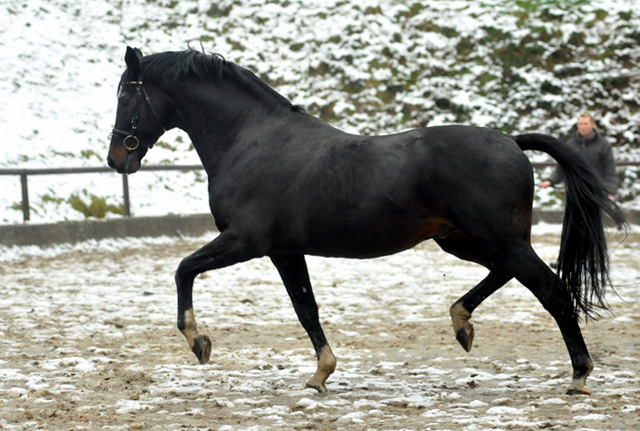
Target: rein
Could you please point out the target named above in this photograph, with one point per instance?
(131, 141)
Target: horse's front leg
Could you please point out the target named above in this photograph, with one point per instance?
(295, 276)
(225, 250)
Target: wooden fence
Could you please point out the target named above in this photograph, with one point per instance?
(25, 173)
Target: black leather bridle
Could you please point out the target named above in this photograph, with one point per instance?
(131, 141)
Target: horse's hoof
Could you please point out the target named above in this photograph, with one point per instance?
(318, 387)
(583, 391)
(202, 349)
(464, 336)
(461, 326)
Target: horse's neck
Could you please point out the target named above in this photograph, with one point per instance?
(217, 120)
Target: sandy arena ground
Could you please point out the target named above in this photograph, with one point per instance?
(88, 342)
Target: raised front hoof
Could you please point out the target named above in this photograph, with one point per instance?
(202, 349)
(320, 387)
(583, 391)
(464, 336)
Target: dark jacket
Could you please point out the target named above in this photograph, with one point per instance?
(598, 154)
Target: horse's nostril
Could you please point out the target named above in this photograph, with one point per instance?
(110, 162)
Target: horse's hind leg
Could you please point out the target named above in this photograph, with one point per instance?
(535, 275)
(295, 276)
(461, 309)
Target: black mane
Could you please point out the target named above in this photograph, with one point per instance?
(177, 65)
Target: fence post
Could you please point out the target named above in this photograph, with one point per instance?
(125, 195)
(25, 198)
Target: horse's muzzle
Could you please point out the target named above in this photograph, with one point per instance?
(110, 162)
(124, 162)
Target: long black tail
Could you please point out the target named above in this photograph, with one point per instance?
(583, 264)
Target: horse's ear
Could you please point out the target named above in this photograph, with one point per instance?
(132, 59)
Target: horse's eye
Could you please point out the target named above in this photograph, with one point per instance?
(123, 97)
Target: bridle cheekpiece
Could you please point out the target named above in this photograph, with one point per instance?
(131, 141)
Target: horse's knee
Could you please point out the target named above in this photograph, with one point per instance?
(184, 272)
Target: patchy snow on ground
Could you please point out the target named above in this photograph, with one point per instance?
(88, 341)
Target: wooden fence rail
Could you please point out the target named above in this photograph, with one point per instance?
(25, 173)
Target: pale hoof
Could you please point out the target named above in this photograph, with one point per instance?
(326, 366)
(461, 326)
(320, 387)
(583, 391)
(580, 374)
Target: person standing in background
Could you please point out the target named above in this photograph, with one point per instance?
(596, 151)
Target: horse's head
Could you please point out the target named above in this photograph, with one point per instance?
(138, 117)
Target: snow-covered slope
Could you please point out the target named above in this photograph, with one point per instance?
(365, 66)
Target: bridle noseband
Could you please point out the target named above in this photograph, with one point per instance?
(131, 141)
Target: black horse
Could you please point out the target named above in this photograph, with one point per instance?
(283, 184)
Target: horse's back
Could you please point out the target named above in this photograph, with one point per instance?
(474, 150)
(450, 164)
(378, 195)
